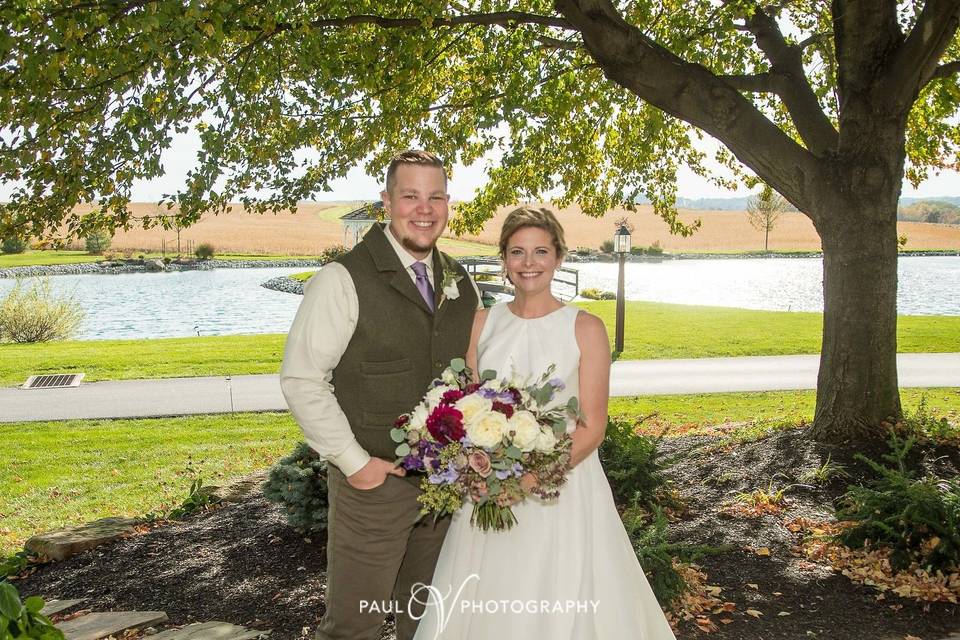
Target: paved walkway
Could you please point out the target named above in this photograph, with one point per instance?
(184, 396)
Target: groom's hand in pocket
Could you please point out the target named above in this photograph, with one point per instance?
(374, 473)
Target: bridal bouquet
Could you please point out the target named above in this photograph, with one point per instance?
(476, 440)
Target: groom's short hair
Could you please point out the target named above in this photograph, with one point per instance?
(413, 157)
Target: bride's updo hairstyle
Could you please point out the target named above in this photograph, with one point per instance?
(532, 217)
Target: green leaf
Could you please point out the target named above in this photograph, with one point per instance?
(10, 606)
(458, 364)
(403, 450)
(513, 452)
(488, 374)
(33, 604)
(398, 435)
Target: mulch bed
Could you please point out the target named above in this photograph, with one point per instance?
(241, 564)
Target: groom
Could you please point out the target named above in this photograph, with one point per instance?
(374, 328)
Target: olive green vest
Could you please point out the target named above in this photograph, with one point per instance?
(398, 346)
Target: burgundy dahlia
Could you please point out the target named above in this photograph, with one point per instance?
(503, 408)
(445, 424)
(450, 397)
(401, 422)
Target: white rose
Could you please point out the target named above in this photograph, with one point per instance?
(451, 291)
(418, 417)
(449, 377)
(487, 429)
(546, 441)
(472, 406)
(525, 429)
(435, 395)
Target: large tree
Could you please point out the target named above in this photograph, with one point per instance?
(601, 101)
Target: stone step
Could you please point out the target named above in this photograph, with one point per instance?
(211, 631)
(57, 606)
(95, 626)
(64, 543)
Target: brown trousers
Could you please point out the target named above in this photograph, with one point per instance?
(375, 554)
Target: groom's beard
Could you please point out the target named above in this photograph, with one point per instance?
(412, 246)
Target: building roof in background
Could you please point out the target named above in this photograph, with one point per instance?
(368, 212)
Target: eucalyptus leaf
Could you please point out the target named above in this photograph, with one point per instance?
(458, 364)
(513, 452)
(398, 435)
(403, 450)
(488, 374)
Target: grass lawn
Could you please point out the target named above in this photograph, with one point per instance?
(157, 358)
(36, 258)
(124, 467)
(133, 467)
(683, 413)
(653, 330)
(656, 330)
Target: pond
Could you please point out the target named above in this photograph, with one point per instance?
(231, 301)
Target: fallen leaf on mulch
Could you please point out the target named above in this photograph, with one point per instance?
(698, 602)
(754, 613)
(871, 566)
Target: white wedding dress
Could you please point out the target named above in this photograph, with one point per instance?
(566, 570)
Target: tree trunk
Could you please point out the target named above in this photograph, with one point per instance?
(857, 382)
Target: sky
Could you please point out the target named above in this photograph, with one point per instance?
(464, 180)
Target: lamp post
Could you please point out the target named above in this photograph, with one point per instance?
(621, 246)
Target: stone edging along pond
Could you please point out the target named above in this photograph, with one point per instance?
(141, 266)
(136, 266)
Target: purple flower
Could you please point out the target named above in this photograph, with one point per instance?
(448, 476)
(557, 384)
(412, 463)
(488, 393)
(502, 474)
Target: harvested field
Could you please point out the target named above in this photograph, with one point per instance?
(316, 226)
(720, 231)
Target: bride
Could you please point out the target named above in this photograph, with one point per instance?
(566, 570)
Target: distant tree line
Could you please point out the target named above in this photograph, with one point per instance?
(934, 211)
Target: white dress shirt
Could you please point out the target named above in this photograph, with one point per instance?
(321, 331)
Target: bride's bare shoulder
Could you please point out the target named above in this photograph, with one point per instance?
(590, 331)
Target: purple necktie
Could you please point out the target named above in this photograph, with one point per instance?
(423, 284)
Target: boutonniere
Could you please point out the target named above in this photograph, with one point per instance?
(448, 287)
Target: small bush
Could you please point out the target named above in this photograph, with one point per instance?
(37, 314)
(655, 249)
(606, 246)
(926, 427)
(583, 251)
(648, 535)
(919, 518)
(97, 242)
(13, 245)
(23, 619)
(636, 251)
(298, 483)
(634, 467)
(204, 251)
(597, 294)
(332, 253)
(485, 277)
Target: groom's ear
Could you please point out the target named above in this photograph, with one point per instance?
(385, 197)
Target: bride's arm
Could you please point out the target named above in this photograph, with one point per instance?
(594, 346)
(479, 319)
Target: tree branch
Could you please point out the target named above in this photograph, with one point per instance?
(946, 70)
(916, 61)
(692, 93)
(791, 84)
(502, 18)
(757, 83)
